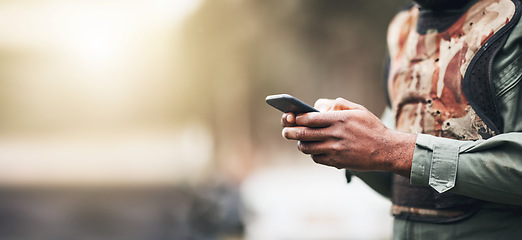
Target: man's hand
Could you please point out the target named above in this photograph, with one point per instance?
(347, 135)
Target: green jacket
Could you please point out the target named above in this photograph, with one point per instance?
(489, 170)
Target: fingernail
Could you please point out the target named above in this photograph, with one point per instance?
(283, 132)
(290, 118)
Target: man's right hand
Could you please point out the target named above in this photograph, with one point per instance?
(346, 135)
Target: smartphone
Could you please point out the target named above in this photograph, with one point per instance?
(288, 103)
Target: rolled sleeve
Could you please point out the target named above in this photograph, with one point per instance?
(490, 169)
(421, 162)
(435, 162)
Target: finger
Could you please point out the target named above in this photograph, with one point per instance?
(319, 120)
(343, 104)
(323, 104)
(304, 134)
(288, 120)
(327, 160)
(320, 158)
(314, 147)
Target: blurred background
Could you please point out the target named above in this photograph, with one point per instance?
(145, 119)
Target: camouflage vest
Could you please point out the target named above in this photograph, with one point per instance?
(439, 84)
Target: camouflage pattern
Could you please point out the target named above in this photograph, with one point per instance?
(426, 70)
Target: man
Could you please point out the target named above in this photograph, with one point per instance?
(450, 155)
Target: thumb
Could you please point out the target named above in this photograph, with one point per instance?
(323, 104)
(343, 104)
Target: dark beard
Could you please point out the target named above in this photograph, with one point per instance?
(440, 4)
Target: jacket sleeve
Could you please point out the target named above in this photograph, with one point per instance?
(490, 169)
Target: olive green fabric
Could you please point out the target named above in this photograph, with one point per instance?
(488, 223)
(489, 170)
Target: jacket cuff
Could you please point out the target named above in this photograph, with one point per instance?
(435, 162)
